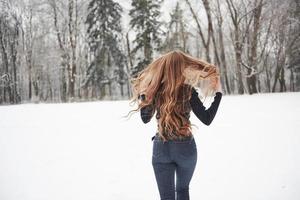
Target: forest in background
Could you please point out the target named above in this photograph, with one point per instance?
(84, 50)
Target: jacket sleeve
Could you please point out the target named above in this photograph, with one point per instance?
(146, 111)
(205, 116)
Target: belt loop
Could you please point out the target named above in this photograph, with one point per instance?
(152, 138)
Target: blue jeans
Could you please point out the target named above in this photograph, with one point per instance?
(178, 156)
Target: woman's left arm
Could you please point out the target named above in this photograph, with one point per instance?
(146, 111)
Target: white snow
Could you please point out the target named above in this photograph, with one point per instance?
(88, 151)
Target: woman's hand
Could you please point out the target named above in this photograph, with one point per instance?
(216, 82)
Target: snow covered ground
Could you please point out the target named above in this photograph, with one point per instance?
(87, 151)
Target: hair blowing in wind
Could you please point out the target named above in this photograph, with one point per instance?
(165, 81)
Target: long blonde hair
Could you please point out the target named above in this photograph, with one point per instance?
(162, 84)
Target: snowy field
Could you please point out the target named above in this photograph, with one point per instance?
(87, 151)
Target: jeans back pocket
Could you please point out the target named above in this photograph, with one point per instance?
(186, 149)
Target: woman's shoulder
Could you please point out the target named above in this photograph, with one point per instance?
(192, 88)
(187, 86)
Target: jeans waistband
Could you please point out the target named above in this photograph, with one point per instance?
(179, 139)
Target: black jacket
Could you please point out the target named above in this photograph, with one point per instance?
(206, 116)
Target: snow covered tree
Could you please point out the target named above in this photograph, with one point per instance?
(293, 52)
(177, 34)
(104, 33)
(144, 20)
(9, 41)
